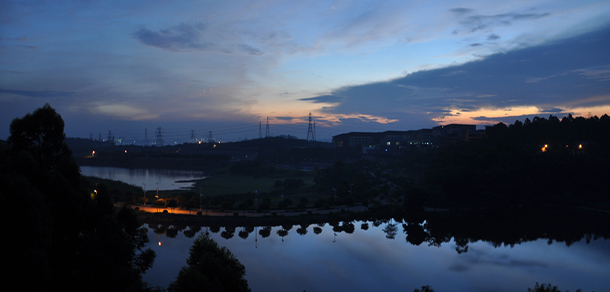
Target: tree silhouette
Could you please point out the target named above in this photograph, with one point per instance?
(282, 233)
(302, 230)
(77, 241)
(265, 231)
(390, 230)
(192, 231)
(415, 233)
(424, 289)
(210, 268)
(243, 234)
(546, 288)
(228, 233)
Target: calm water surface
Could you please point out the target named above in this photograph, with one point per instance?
(366, 260)
(163, 179)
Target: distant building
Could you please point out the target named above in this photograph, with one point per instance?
(393, 141)
(355, 140)
(452, 134)
(396, 141)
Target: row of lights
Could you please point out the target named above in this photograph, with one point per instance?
(546, 146)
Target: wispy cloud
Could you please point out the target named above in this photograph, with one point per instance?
(189, 36)
(126, 112)
(479, 22)
(493, 37)
(37, 93)
(601, 73)
(323, 99)
(250, 50)
(182, 37)
(461, 11)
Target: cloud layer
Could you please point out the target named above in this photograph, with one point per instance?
(364, 65)
(547, 77)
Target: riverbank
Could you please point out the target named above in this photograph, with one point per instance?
(156, 215)
(507, 226)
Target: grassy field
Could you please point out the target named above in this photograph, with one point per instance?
(120, 186)
(223, 182)
(231, 186)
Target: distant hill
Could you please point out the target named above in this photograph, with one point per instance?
(284, 150)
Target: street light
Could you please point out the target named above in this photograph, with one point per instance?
(157, 196)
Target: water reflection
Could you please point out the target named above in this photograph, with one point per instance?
(151, 179)
(366, 256)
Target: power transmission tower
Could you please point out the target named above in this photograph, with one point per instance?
(109, 137)
(159, 136)
(145, 136)
(267, 130)
(192, 136)
(310, 131)
(210, 137)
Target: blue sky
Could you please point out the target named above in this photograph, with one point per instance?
(225, 66)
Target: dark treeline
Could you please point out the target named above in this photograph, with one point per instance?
(509, 227)
(63, 234)
(568, 131)
(546, 161)
(532, 163)
(271, 151)
(184, 156)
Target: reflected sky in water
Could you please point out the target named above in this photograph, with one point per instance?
(163, 179)
(367, 261)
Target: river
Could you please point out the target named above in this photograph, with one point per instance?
(150, 179)
(366, 260)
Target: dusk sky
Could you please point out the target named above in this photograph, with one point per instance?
(227, 66)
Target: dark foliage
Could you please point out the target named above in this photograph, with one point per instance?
(210, 268)
(424, 289)
(546, 288)
(545, 161)
(351, 182)
(66, 237)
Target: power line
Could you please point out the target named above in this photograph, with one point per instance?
(231, 132)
